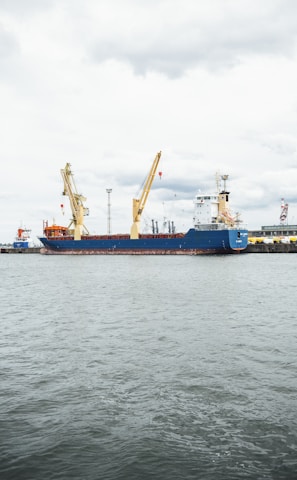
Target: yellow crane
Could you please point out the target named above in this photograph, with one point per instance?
(139, 203)
(76, 203)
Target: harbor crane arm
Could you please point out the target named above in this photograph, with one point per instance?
(139, 204)
(76, 203)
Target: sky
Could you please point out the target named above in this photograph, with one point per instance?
(106, 84)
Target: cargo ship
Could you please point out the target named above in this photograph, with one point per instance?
(23, 238)
(215, 230)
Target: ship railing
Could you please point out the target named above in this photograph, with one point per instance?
(161, 235)
(219, 226)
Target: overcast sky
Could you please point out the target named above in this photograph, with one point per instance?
(106, 84)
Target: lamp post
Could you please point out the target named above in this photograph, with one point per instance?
(108, 191)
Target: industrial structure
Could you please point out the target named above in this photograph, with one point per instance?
(215, 230)
(76, 204)
(139, 204)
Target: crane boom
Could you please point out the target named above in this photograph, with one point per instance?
(139, 204)
(76, 203)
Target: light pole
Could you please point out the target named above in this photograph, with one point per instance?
(108, 190)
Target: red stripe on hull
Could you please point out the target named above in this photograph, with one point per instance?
(46, 251)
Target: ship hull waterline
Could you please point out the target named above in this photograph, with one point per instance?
(46, 251)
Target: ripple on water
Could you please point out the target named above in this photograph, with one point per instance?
(148, 368)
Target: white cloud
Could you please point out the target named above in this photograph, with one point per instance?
(173, 36)
(104, 85)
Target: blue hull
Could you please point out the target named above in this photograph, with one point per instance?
(194, 242)
(20, 244)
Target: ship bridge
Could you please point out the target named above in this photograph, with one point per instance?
(206, 209)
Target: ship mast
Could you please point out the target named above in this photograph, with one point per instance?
(139, 204)
(224, 209)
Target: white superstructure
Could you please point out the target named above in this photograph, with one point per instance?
(206, 209)
(213, 211)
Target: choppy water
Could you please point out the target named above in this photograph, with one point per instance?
(148, 367)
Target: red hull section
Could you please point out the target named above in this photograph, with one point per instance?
(46, 251)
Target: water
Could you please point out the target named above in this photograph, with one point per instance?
(148, 367)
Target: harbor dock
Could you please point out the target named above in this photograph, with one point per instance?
(20, 250)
